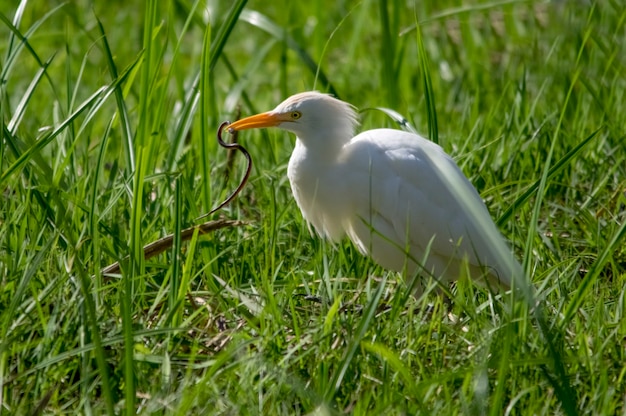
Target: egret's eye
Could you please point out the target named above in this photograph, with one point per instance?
(295, 115)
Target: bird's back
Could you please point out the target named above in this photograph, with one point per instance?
(404, 201)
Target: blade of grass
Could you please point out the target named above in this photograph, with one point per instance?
(221, 38)
(18, 115)
(187, 268)
(127, 134)
(387, 355)
(184, 123)
(98, 346)
(429, 95)
(554, 339)
(594, 273)
(174, 306)
(22, 287)
(205, 164)
(224, 32)
(19, 111)
(458, 11)
(132, 279)
(330, 38)
(7, 317)
(13, 52)
(355, 342)
(552, 171)
(387, 55)
(262, 22)
(181, 129)
(211, 51)
(92, 104)
(48, 137)
(236, 90)
(498, 396)
(91, 219)
(395, 116)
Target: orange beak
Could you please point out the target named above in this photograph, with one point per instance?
(268, 119)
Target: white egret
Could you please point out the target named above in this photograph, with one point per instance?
(399, 197)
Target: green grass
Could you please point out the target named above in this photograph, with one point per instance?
(107, 143)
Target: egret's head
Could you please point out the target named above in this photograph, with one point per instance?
(306, 114)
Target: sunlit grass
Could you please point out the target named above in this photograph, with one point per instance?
(107, 143)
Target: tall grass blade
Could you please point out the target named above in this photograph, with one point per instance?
(15, 48)
(429, 94)
(18, 115)
(93, 209)
(395, 116)
(224, 32)
(211, 52)
(174, 306)
(22, 287)
(391, 357)
(553, 337)
(133, 278)
(182, 124)
(595, 271)
(98, 346)
(461, 10)
(262, 22)
(48, 137)
(28, 94)
(205, 73)
(553, 171)
(355, 342)
(387, 55)
(122, 111)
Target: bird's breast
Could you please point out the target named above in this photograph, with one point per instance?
(319, 191)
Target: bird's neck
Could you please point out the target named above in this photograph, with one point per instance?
(324, 144)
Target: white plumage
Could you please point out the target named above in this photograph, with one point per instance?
(399, 197)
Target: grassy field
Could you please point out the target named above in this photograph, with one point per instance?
(109, 112)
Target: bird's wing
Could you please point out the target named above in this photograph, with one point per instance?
(414, 194)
